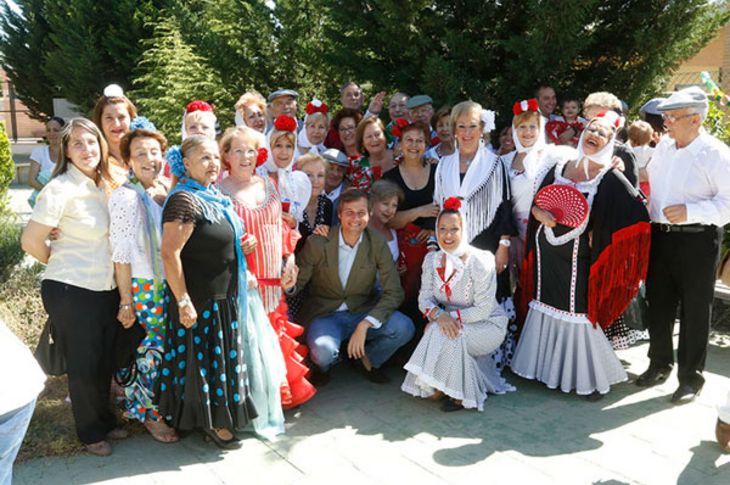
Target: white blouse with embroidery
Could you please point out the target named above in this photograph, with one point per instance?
(128, 231)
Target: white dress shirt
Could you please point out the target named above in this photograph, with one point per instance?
(697, 176)
(335, 194)
(345, 259)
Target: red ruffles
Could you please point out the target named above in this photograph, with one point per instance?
(297, 389)
(616, 274)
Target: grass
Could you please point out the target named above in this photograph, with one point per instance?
(51, 431)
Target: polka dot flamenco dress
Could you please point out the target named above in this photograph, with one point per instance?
(203, 381)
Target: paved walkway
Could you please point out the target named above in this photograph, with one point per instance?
(356, 432)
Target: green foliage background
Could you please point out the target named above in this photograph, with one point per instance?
(167, 52)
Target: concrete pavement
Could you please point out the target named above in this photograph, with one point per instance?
(357, 432)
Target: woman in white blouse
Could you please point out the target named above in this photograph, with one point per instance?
(135, 211)
(78, 288)
(466, 324)
(43, 159)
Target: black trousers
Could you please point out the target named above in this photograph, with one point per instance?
(85, 326)
(682, 270)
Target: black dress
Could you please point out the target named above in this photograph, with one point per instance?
(203, 381)
(323, 217)
(415, 198)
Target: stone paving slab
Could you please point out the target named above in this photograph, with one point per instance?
(364, 433)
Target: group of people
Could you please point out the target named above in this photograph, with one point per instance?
(255, 258)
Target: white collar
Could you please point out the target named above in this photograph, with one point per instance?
(342, 244)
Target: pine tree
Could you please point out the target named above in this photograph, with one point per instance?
(170, 75)
(23, 44)
(95, 43)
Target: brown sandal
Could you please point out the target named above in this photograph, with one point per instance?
(161, 431)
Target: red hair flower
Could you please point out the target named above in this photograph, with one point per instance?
(525, 105)
(262, 157)
(198, 105)
(285, 123)
(452, 203)
(398, 125)
(316, 106)
(612, 117)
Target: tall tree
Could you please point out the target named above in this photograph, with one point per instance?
(171, 74)
(496, 52)
(23, 45)
(95, 43)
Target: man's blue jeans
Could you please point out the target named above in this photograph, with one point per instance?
(325, 335)
(13, 426)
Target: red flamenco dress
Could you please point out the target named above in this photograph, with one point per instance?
(276, 240)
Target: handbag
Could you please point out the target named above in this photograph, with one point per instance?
(126, 343)
(48, 352)
(723, 271)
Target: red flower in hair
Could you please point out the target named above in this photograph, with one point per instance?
(316, 106)
(285, 123)
(262, 157)
(452, 203)
(398, 124)
(198, 105)
(611, 116)
(525, 105)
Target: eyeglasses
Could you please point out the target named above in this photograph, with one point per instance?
(348, 129)
(674, 118)
(598, 132)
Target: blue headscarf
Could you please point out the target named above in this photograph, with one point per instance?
(215, 207)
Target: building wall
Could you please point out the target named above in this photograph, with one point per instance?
(714, 58)
(26, 126)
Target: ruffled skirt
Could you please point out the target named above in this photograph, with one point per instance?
(462, 368)
(565, 351)
(295, 389)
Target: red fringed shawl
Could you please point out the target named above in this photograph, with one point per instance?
(617, 272)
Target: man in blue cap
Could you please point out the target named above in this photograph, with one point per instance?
(690, 203)
(282, 102)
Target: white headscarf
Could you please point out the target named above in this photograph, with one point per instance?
(531, 162)
(303, 141)
(454, 267)
(294, 186)
(605, 154)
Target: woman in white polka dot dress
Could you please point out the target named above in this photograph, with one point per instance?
(466, 324)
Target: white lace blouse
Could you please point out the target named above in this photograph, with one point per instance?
(473, 288)
(128, 232)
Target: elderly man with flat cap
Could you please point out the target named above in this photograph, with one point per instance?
(334, 180)
(420, 108)
(690, 203)
(282, 102)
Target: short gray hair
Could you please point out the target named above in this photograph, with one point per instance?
(700, 110)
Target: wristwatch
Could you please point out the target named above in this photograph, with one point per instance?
(505, 242)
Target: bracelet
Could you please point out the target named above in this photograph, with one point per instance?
(439, 312)
(184, 301)
(125, 306)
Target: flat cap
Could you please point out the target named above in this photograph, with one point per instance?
(418, 100)
(283, 92)
(650, 107)
(333, 155)
(691, 97)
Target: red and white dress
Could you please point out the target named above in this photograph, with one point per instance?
(276, 240)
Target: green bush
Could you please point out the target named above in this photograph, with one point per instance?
(10, 251)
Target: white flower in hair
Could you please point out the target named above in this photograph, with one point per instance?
(113, 91)
(487, 118)
(316, 103)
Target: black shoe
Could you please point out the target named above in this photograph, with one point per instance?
(374, 375)
(654, 375)
(319, 378)
(449, 406)
(594, 396)
(685, 393)
(229, 444)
